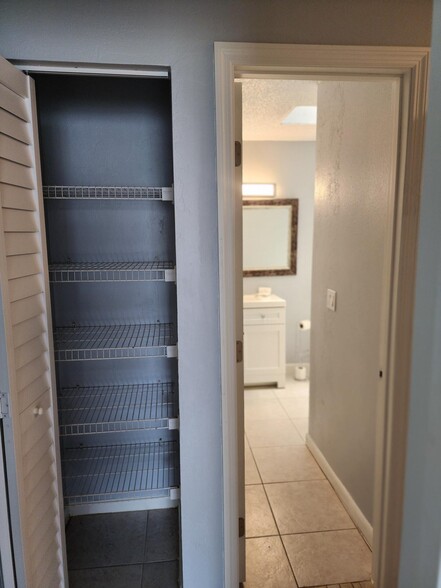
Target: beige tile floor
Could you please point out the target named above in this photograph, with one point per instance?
(298, 532)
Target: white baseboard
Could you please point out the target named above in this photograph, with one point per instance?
(354, 511)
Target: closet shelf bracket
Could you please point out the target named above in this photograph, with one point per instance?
(175, 493)
(168, 194)
(172, 351)
(170, 275)
(173, 424)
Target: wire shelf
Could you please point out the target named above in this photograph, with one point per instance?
(106, 409)
(136, 271)
(120, 472)
(107, 193)
(79, 343)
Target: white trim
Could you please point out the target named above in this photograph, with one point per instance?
(351, 506)
(410, 65)
(121, 506)
(91, 69)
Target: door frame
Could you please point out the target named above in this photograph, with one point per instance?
(6, 551)
(62, 68)
(410, 65)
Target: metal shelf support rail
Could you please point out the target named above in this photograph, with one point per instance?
(116, 271)
(108, 193)
(107, 409)
(120, 472)
(78, 343)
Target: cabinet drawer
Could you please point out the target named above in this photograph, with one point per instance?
(263, 316)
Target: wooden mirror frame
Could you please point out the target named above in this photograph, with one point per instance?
(294, 203)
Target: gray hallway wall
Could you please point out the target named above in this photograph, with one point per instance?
(180, 35)
(421, 540)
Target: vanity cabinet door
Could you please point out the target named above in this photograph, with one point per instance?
(264, 349)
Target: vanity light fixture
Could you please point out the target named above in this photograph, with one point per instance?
(301, 115)
(259, 190)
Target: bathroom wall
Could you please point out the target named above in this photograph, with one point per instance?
(355, 132)
(291, 166)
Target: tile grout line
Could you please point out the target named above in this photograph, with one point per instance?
(278, 531)
(145, 546)
(270, 506)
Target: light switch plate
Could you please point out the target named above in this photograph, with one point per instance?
(331, 299)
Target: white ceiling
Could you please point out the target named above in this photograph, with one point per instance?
(267, 102)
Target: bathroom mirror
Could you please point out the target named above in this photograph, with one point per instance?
(270, 237)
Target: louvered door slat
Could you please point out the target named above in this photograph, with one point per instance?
(30, 372)
(24, 265)
(15, 151)
(30, 351)
(47, 565)
(19, 221)
(25, 309)
(21, 243)
(34, 390)
(22, 288)
(52, 580)
(36, 479)
(13, 79)
(17, 198)
(28, 330)
(12, 103)
(41, 510)
(14, 127)
(41, 537)
(16, 174)
(25, 285)
(37, 462)
(34, 426)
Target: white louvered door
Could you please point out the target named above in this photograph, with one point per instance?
(26, 310)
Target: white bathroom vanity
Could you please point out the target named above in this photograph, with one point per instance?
(264, 319)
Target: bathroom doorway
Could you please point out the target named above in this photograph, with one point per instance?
(254, 57)
(309, 515)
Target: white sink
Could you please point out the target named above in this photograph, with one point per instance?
(259, 301)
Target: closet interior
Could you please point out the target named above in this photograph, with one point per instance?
(107, 174)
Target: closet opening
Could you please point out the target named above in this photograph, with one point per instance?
(107, 175)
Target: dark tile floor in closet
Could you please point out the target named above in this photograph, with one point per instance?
(124, 550)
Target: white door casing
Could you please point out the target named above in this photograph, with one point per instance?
(239, 330)
(410, 66)
(28, 337)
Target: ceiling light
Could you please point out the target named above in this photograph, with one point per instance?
(301, 115)
(259, 190)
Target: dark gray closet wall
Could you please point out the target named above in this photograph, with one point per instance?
(117, 383)
(107, 131)
(104, 131)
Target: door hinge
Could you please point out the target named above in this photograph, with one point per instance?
(4, 408)
(239, 351)
(237, 153)
(241, 527)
